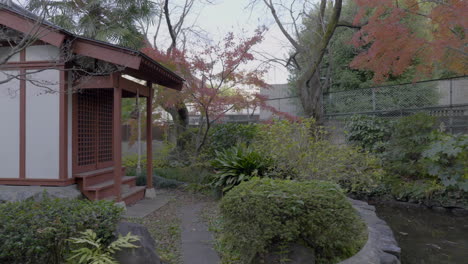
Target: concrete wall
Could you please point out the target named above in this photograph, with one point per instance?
(459, 91)
(9, 131)
(42, 126)
(279, 97)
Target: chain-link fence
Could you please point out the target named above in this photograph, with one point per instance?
(447, 99)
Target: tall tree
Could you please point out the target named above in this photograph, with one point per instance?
(175, 16)
(214, 78)
(319, 25)
(114, 21)
(391, 41)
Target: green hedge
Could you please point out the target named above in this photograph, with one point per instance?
(37, 232)
(260, 214)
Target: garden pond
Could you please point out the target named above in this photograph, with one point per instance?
(426, 236)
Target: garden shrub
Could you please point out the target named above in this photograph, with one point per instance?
(159, 182)
(368, 132)
(411, 135)
(236, 165)
(190, 174)
(447, 159)
(160, 158)
(301, 151)
(37, 232)
(229, 135)
(260, 213)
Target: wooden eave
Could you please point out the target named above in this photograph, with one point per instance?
(136, 63)
(29, 26)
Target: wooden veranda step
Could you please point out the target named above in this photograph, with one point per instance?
(130, 195)
(86, 179)
(94, 172)
(107, 188)
(110, 183)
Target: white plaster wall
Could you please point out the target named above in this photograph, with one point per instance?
(4, 52)
(9, 128)
(42, 53)
(42, 126)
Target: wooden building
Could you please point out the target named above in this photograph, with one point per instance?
(60, 114)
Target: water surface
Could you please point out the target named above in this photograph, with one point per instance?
(426, 236)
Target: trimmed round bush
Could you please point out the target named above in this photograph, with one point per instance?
(262, 213)
(38, 232)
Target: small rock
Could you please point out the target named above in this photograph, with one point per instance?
(145, 253)
(150, 193)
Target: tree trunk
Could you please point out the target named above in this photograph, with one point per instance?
(180, 117)
(308, 84)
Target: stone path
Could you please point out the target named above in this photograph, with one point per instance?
(146, 206)
(197, 241)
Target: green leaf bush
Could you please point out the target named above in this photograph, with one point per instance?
(260, 213)
(412, 148)
(37, 232)
(447, 159)
(301, 151)
(368, 132)
(238, 164)
(225, 136)
(411, 135)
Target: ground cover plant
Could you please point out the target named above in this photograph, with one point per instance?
(37, 232)
(262, 213)
(414, 148)
(238, 164)
(90, 249)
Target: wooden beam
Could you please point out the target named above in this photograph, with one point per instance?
(132, 87)
(117, 127)
(106, 53)
(35, 28)
(149, 138)
(37, 182)
(94, 82)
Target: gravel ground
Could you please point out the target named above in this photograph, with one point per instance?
(164, 223)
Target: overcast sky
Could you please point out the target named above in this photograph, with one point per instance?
(232, 15)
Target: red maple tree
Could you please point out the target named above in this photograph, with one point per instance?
(396, 35)
(215, 79)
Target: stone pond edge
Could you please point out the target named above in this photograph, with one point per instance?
(381, 246)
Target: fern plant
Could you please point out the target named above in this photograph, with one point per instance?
(238, 164)
(93, 251)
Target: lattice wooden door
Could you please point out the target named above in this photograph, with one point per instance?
(94, 129)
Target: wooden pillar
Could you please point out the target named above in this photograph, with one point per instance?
(117, 123)
(63, 127)
(22, 113)
(149, 138)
